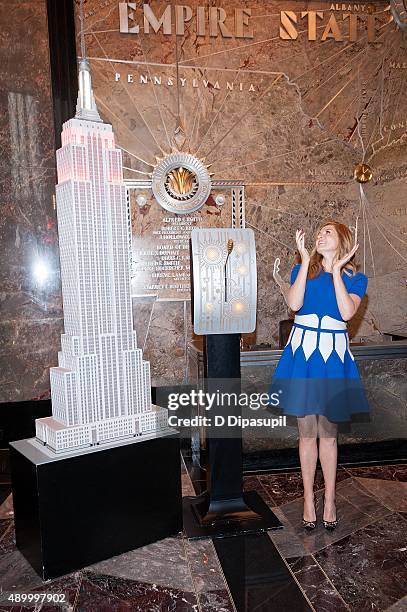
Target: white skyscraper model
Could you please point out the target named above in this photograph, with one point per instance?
(100, 390)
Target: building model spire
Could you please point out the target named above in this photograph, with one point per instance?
(86, 106)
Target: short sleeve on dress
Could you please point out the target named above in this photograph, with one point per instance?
(294, 273)
(358, 284)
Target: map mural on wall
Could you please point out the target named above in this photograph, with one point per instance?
(278, 103)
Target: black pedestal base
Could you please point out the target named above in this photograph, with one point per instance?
(72, 511)
(250, 514)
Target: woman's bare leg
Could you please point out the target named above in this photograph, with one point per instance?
(308, 450)
(328, 456)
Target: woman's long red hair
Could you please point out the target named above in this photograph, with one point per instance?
(345, 245)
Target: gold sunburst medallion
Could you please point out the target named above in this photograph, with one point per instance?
(181, 180)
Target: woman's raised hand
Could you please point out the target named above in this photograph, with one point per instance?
(299, 239)
(338, 265)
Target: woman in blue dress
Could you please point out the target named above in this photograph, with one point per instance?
(317, 378)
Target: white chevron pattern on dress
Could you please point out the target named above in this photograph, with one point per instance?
(326, 345)
(308, 338)
(348, 347)
(296, 339)
(328, 322)
(340, 345)
(310, 320)
(309, 343)
(290, 336)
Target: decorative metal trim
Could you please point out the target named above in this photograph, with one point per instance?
(188, 202)
(237, 190)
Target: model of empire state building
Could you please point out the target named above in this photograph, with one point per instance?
(100, 390)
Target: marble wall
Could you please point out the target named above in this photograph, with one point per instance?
(30, 292)
(305, 114)
(288, 118)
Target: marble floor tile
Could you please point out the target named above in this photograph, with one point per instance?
(187, 487)
(6, 508)
(319, 590)
(286, 540)
(94, 598)
(194, 468)
(183, 466)
(383, 472)
(215, 601)
(252, 483)
(5, 490)
(8, 540)
(66, 585)
(16, 573)
(4, 525)
(282, 488)
(392, 494)
(399, 606)
(163, 563)
(369, 566)
(350, 518)
(102, 593)
(199, 486)
(286, 487)
(197, 474)
(356, 494)
(204, 566)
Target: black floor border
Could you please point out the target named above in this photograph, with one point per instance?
(349, 455)
(257, 576)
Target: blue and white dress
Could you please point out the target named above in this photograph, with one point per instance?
(317, 373)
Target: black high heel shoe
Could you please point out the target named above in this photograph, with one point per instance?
(329, 525)
(310, 525)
